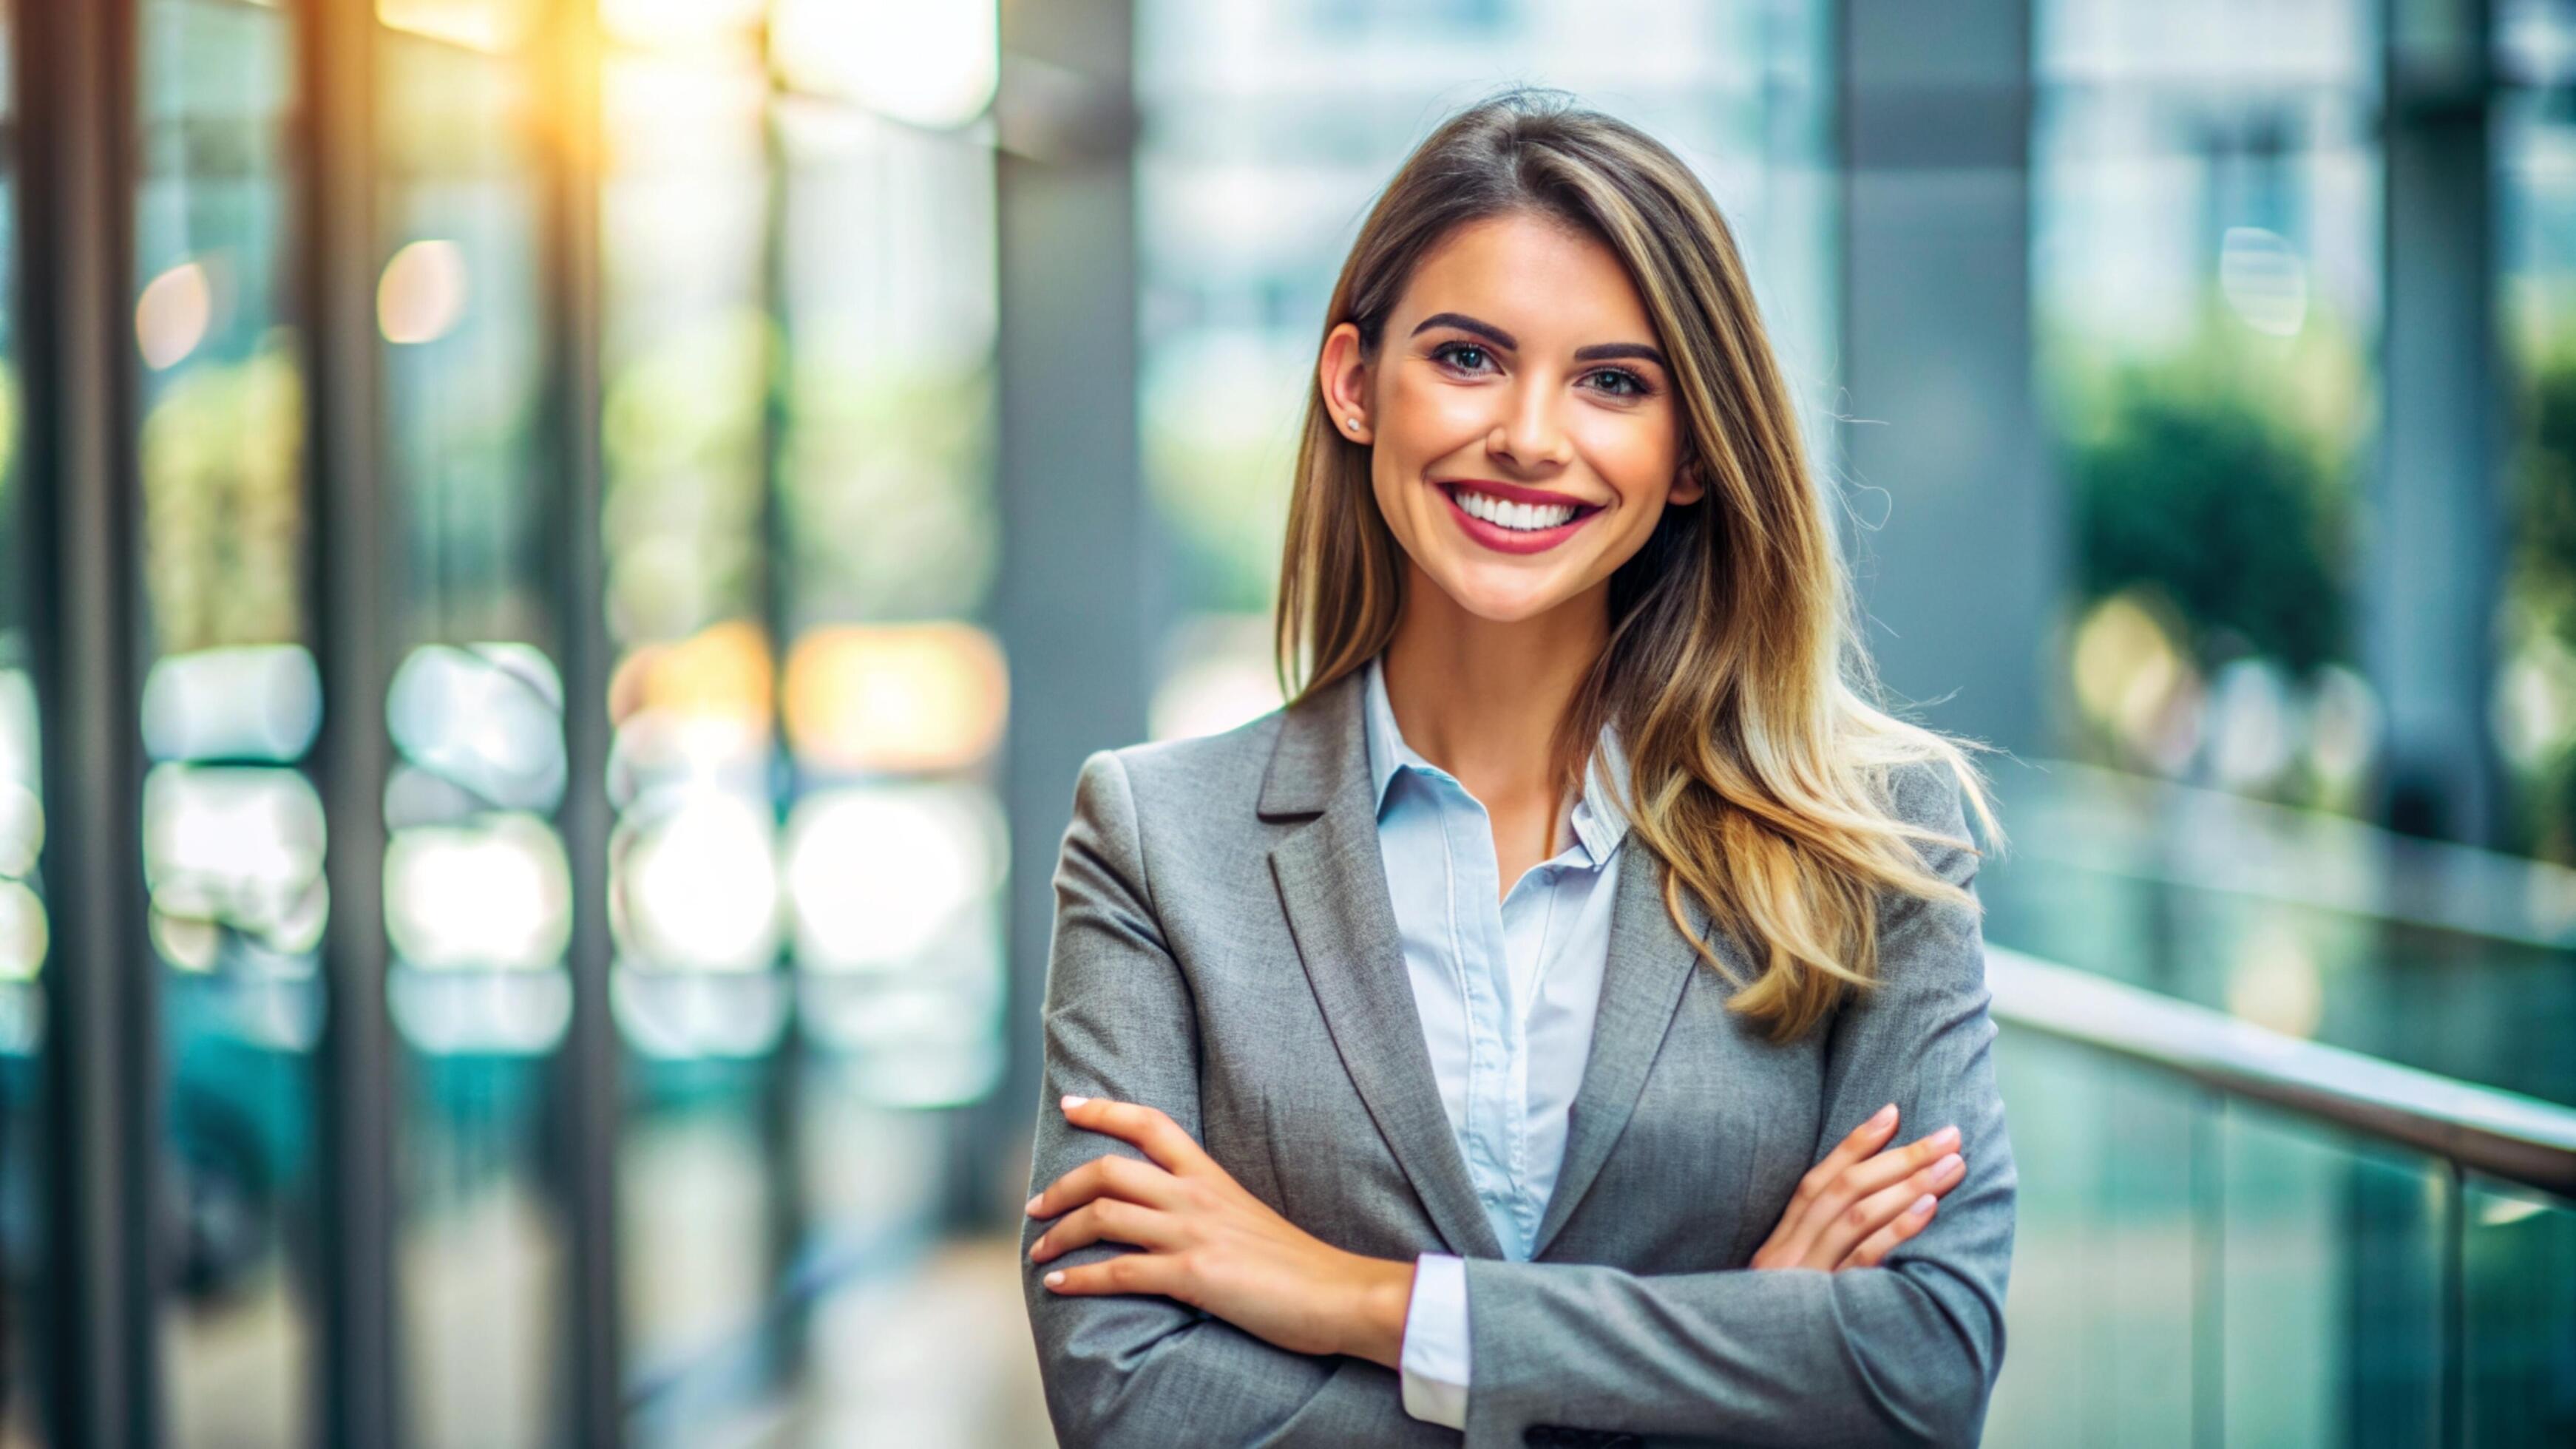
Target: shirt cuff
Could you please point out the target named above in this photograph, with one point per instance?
(1435, 1342)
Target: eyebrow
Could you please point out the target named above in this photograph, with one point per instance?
(1597, 352)
(1614, 351)
(1465, 323)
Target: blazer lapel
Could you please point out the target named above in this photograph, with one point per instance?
(1332, 884)
(1641, 987)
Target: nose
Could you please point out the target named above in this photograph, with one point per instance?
(1529, 435)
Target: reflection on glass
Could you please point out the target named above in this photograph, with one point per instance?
(2103, 1254)
(928, 65)
(802, 534)
(497, 27)
(24, 931)
(894, 699)
(2536, 42)
(898, 898)
(233, 835)
(422, 292)
(2534, 709)
(706, 1179)
(2205, 268)
(477, 889)
(2519, 1256)
(2191, 1269)
(799, 531)
(2439, 957)
(698, 889)
(1268, 128)
(2330, 1279)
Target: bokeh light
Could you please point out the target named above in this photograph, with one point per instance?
(421, 295)
(171, 316)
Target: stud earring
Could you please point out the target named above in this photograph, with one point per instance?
(1351, 423)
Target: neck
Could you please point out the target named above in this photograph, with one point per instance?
(1481, 699)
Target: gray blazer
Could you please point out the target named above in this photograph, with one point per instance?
(1225, 949)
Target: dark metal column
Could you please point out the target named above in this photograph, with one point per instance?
(2433, 546)
(1072, 607)
(1963, 579)
(355, 555)
(783, 1100)
(104, 1195)
(586, 1074)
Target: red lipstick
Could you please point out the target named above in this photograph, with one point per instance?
(1515, 540)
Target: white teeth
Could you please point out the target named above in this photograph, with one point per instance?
(1520, 517)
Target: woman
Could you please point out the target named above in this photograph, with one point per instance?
(1346, 1143)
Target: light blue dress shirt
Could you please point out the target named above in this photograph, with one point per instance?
(1507, 986)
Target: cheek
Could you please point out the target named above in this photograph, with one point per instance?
(1637, 457)
(1428, 419)
(1421, 424)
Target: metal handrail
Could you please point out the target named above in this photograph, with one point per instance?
(2506, 1135)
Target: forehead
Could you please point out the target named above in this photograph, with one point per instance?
(1531, 275)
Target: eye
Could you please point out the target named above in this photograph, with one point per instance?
(1622, 382)
(1460, 355)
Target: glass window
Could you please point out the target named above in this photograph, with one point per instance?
(232, 825)
(2205, 270)
(23, 924)
(801, 534)
(893, 690)
(477, 882)
(2535, 703)
(686, 357)
(894, 694)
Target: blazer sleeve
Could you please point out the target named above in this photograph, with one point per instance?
(1902, 1353)
(1120, 1022)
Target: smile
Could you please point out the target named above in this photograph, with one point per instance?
(1515, 520)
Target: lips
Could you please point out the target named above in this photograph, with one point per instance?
(1513, 540)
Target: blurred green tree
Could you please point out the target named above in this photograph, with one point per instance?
(2544, 530)
(2541, 592)
(2205, 475)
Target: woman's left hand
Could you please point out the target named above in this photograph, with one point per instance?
(1208, 1243)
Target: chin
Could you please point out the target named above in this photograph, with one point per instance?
(1504, 601)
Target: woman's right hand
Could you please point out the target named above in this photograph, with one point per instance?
(1852, 1208)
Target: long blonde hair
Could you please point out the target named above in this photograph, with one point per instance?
(1759, 760)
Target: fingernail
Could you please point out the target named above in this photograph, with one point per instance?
(1948, 1165)
(1922, 1205)
(1883, 1115)
(1032, 1208)
(1054, 1279)
(1947, 1137)
(1071, 1101)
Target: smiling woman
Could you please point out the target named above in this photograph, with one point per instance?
(1385, 1099)
(1516, 441)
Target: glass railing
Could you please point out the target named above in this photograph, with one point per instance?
(2435, 956)
(2229, 1234)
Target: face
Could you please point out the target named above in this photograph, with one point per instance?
(1519, 415)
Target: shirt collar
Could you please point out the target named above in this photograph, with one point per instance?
(1599, 823)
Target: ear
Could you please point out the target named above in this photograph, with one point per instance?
(1687, 486)
(1344, 376)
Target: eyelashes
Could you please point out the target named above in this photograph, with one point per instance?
(1641, 387)
(1633, 385)
(1450, 352)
